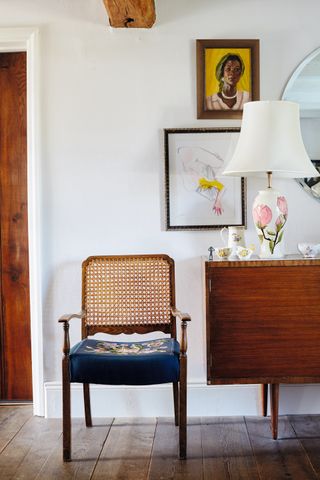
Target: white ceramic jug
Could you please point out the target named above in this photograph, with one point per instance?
(233, 237)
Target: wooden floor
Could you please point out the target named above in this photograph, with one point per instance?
(218, 448)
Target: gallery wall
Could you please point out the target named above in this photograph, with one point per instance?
(105, 97)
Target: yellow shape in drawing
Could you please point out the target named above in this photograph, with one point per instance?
(205, 184)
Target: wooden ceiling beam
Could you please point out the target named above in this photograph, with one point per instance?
(131, 13)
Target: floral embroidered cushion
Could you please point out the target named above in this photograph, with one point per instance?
(125, 363)
(131, 348)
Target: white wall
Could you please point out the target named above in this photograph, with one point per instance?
(106, 95)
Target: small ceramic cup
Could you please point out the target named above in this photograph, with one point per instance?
(223, 252)
(244, 253)
(309, 250)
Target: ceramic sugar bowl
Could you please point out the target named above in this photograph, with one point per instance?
(223, 252)
(244, 253)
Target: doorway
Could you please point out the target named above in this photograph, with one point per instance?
(15, 334)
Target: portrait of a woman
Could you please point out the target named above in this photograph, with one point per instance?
(228, 72)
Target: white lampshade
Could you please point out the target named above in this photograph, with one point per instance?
(270, 141)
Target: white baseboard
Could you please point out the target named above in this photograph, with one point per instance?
(203, 400)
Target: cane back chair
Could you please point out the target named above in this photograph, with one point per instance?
(126, 294)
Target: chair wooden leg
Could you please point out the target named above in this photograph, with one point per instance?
(183, 407)
(87, 405)
(176, 402)
(274, 409)
(264, 399)
(66, 413)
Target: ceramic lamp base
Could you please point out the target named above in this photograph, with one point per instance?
(270, 213)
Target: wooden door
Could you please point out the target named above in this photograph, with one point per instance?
(15, 336)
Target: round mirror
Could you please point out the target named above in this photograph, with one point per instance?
(304, 88)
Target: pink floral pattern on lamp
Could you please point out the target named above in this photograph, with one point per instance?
(262, 217)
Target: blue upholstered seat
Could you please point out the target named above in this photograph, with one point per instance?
(125, 363)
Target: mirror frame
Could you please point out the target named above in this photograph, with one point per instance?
(309, 185)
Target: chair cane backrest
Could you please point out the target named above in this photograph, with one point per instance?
(131, 293)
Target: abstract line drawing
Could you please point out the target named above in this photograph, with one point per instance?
(201, 176)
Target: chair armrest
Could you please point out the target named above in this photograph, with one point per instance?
(67, 317)
(184, 317)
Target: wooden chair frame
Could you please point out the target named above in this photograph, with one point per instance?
(90, 328)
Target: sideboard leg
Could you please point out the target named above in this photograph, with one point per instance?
(264, 399)
(274, 409)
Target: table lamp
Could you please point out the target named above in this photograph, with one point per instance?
(270, 144)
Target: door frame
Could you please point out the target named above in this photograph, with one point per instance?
(27, 40)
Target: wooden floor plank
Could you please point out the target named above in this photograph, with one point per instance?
(29, 449)
(165, 450)
(126, 453)
(87, 444)
(11, 421)
(279, 459)
(307, 429)
(192, 467)
(165, 463)
(227, 453)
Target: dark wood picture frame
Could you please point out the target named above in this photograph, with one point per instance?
(189, 175)
(212, 54)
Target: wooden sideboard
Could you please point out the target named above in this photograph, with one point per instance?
(263, 324)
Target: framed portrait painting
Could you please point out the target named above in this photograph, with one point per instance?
(227, 77)
(198, 196)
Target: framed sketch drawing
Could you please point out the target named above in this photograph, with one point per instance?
(227, 77)
(198, 196)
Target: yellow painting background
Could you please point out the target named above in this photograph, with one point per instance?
(212, 57)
